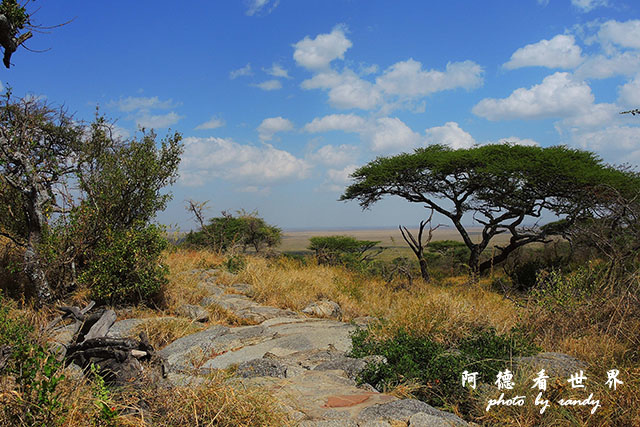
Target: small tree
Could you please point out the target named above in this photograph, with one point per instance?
(418, 245)
(342, 249)
(68, 185)
(502, 186)
(222, 233)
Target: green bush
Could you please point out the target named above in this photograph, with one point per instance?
(228, 231)
(36, 372)
(558, 291)
(125, 267)
(344, 250)
(437, 368)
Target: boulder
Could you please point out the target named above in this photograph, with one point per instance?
(403, 410)
(193, 312)
(555, 364)
(427, 420)
(261, 368)
(324, 308)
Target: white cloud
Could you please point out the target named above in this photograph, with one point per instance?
(625, 34)
(591, 116)
(391, 134)
(332, 155)
(557, 95)
(244, 71)
(514, 140)
(602, 67)
(451, 135)
(318, 53)
(407, 78)
(346, 89)
(276, 70)
(559, 52)
(337, 179)
(158, 121)
(259, 6)
(343, 122)
(269, 127)
(629, 93)
(132, 103)
(588, 5)
(205, 159)
(615, 143)
(213, 123)
(270, 85)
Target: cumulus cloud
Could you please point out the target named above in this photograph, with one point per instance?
(407, 78)
(244, 71)
(588, 5)
(205, 159)
(514, 140)
(346, 89)
(629, 93)
(261, 6)
(337, 179)
(270, 85)
(390, 134)
(133, 103)
(276, 70)
(269, 127)
(557, 95)
(615, 143)
(624, 34)
(450, 134)
(605, 66)
(343, 122)
(332, 155)
(318, 53)
(559, 52)
(213, 123)
(158, 121)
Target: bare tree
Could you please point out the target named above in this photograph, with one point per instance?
(418, 245)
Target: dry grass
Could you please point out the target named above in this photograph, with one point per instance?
(446, 311)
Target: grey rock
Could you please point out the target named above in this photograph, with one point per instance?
(555, 364)
(261, 368)
(102, 325)
(402, 410)
(193, 312)
(262, 313)
(242, 288)
(324, 308)
(181, 353)
(427, 420)
(123, 328)
(351, 366)
(328, 423)
(376, 423)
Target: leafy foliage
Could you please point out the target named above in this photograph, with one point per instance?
(245, 230)
(36, 401)
(345, 250)
(124, 267)
(435, 367)
(16, 14)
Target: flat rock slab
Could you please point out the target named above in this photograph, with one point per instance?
(124, 328)
(403, 410)
(289, 338)
(322, 395)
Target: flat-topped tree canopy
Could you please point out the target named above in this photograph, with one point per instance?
(501, 184)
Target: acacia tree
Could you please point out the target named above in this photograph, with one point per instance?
(504, 187)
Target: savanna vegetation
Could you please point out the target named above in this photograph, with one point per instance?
(77, 209)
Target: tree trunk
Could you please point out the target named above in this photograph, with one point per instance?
(474, 259)
(423, 269)
(32, 262)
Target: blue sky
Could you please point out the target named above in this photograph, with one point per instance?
(279, 100)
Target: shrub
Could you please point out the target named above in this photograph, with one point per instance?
(345, 250)
(125, 267)
(34, 400)
(245, 230)
(436, 367)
